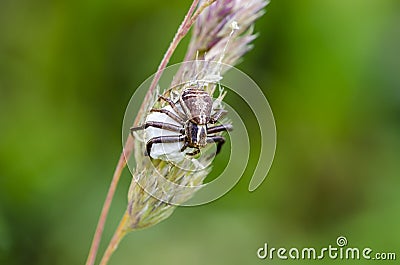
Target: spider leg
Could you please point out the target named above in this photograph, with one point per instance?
(160, 125)
(217, 115)
(219, 140)
(169, 114)
(195, 152)
(174, 107)
(220, 128)
(163, 139)
(185, 145)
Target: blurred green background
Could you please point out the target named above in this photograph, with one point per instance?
(330, 70)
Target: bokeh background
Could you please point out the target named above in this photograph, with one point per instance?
(330, 70)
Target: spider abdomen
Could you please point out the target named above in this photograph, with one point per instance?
(196, 134)
(197, 104)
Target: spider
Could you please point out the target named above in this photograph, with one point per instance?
(194, 119)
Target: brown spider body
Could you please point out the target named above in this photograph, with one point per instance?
(197, 104)
(195, 115)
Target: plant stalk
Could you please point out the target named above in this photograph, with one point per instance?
(119, 233)
(185, 26)
(104, 212)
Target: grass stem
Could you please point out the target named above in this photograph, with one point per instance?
(119, 233)
(184, 28)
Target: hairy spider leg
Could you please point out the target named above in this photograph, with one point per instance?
(169, 114)
(219, 140)
(163, 139)
(160, 125)
(174, 107)
(195, 152)
(218, 115)
(219, 128)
